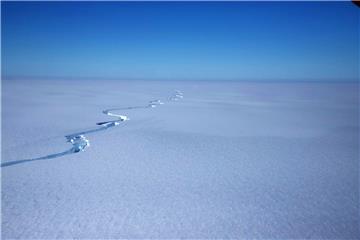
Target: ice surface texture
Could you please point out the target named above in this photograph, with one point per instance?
(232, 160)
(80, 142)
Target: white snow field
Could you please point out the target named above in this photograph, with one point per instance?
(217, 159)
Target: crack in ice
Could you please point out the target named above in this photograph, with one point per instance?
(80, 142)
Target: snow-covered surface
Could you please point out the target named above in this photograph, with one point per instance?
(216, 160)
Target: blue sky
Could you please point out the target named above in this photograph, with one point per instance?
(181, 40)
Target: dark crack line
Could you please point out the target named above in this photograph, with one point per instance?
(80, 142)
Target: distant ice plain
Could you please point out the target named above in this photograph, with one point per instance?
(229, 160)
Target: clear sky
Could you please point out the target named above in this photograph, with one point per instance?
(181, 40)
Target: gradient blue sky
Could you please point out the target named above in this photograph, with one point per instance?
(183, 40)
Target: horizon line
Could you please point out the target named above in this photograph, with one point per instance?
(277, 79)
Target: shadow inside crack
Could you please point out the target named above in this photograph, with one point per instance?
(77, 146)
(47, 157)
(91, 130)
